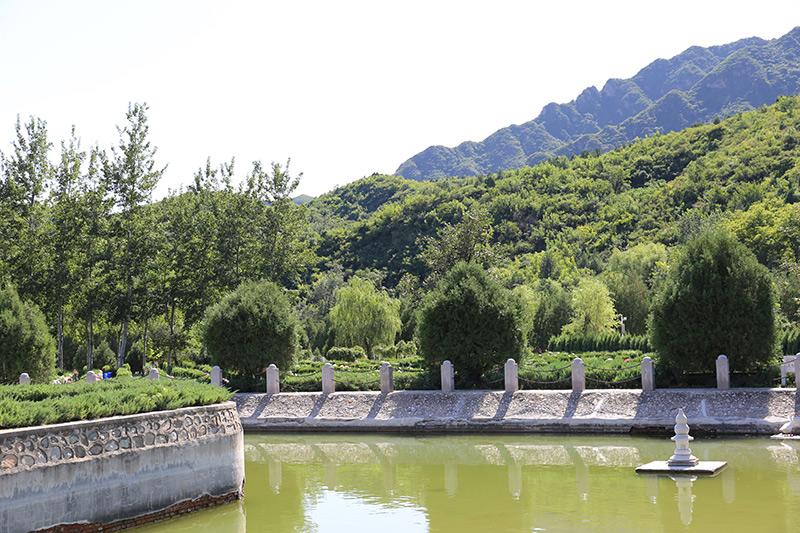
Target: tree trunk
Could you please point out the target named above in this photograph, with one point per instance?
(171, 334)
(89, 344)
(123, 340)
(144, 350)
(60, 361)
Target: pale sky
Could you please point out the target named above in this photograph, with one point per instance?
(343, 88)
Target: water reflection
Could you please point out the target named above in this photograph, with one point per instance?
(684, 497)
(512, 483)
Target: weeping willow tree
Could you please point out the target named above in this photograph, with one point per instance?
(364, 316)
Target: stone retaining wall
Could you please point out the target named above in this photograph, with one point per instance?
(101, 472)
(735, 411)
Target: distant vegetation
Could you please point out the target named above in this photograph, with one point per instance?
(580, 245)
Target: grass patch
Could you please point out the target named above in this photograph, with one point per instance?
(34, 405)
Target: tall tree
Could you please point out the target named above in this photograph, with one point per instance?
(284, 247)
(64, 238)
(93, 248)
(25, 221)
(132, 176)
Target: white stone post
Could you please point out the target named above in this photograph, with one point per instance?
(648, 374)
(24, 379)
(723, 373)
(511, 376)
(91, 377)
(448, 377)
(578, 375)
(216, 376)
(273, 380)
(787, 366)
(387, 378)
(153, 374)
(328, 383)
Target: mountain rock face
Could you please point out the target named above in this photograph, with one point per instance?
(667, 95)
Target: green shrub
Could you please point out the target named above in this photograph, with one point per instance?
(789, 341)
(472, 321)
(717, 299)
(344, 353)
(251, 328)
(25, 342)
(401, 349)
(190, 373)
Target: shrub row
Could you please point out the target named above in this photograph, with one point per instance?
(608, 342)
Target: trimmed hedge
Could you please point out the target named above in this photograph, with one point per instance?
(606, 342)
(34, 405)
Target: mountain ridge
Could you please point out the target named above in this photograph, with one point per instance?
(667, 95)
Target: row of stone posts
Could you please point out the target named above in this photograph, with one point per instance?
(511, 376)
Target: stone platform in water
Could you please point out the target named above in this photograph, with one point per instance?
(703, 468)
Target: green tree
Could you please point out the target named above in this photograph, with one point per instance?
(632, 276)
(251, 328)
(283, 242)
(364, 316)
(592, 309)
(64, 238)
(25, 342)
(472, 321)
(466, 241)
(25, 221)
(546, 310)
(132, 177)
(92, 264)
(717, 299)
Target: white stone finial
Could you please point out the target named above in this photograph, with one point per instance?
(683, 455)
(24, 379)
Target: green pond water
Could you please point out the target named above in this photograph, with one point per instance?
(387, 483)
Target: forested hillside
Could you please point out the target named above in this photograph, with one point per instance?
(667, 95)
(580, 241)
(568, 217)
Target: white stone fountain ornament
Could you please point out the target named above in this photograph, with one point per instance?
(682, 461)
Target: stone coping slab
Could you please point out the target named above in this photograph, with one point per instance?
(735, 411)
